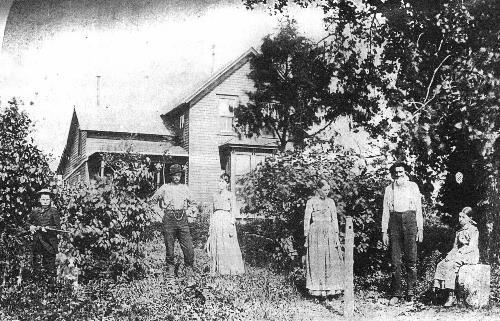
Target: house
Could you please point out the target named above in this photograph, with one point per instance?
(204, 119)
(197, 131)
(91, 134)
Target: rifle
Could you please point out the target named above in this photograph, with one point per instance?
(50, 229)
(21, 231)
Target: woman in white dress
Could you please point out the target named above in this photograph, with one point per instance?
(222, 244)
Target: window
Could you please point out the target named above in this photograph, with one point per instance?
(246, 162)
(225, 106)
(181, 121)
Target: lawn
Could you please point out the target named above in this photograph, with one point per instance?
(260, 294)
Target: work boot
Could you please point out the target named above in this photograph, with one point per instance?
(189, 272)
(170, 274)
(451, 300)
(394, 300)
(190, 276)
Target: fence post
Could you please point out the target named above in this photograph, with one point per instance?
(348, 270)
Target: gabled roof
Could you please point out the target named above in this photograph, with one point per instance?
(209, 84)
(72, 128)
(110, 120)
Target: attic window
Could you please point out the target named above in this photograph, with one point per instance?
(181, 121)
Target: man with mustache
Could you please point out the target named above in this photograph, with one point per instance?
(175, 200)
(402, 226)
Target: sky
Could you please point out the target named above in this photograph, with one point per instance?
(146, 52)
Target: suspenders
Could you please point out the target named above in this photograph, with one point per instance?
(393, 196)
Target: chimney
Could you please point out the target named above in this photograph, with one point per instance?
(98, 91)
(213, 59)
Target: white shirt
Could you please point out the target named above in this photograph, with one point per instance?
(173, 196)
(402, 198)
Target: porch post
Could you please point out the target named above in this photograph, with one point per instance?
(101, 171)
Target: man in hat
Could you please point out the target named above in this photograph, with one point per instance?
(174, 199)
(402, 226)
(43, 222)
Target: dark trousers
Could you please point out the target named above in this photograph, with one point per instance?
(44, 252)
(177, 229)
(403, 232)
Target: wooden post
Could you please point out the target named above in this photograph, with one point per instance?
(349, 262)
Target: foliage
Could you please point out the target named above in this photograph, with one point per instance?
(106, 222)
(41, 301)
(24, 171)
(444, 58)
(281, 186)
(351, 48)
(200, 226)
(291, 78)
(260, 246)
(437, 79)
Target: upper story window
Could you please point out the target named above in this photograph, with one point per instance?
(225, 106)
(181, 121)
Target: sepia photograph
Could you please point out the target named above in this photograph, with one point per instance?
(249, 160)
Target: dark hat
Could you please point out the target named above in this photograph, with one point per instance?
(45, 191)
(392, 169)
(175, 168)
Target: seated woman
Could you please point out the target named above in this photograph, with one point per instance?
(465, 251)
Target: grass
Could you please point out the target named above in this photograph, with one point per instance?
(260, 294)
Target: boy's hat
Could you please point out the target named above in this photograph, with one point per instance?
(45, 191)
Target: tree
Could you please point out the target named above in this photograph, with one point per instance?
(24, 170)
(292, 80)
(444, 58)
(439, 71)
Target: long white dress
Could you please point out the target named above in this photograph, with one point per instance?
(222, 245)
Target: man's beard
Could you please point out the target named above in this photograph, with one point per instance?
(400, 180)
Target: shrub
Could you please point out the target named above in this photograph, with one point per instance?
(24, 170)
(105, 225)
(106, 222)
(199, 228)
(280, 187)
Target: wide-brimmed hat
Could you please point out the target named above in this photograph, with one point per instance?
(45, 191)
(175, 169)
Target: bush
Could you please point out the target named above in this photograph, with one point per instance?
(199, 228)
(105, 225)
(24, 170)
(280, 187)
(258, 244)
(107, 221)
